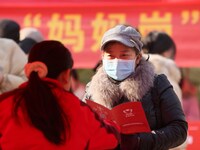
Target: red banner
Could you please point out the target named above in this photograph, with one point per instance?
(80, 25)
(193, 135)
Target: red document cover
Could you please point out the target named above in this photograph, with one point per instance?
(129, 116)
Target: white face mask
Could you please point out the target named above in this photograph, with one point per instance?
(119, 69)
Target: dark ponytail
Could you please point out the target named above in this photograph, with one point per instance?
(43, 109)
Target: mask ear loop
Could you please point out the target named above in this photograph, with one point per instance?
(148, 57)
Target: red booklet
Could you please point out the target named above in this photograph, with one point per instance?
(129, 116)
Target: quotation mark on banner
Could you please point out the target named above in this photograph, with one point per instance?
(190, 17)
(32, 20)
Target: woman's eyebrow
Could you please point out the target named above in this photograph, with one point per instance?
(110, 51)
(125, 50)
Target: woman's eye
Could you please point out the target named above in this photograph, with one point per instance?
(109, 56)
(125, 55)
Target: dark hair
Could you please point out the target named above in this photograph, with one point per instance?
(54, 54)
(158, 42)
(96, 67)
(9, 29)
(40, 103)
(74, 74)
(26, 44)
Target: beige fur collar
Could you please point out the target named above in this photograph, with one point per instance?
(105, 92)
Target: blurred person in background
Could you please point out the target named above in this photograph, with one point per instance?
(25, 37)
(43, 114)
(29, 36)
(26, 45)
(162, 51)
(190, 100)
(77, 87)
(10, 29)
(157, 42)
(12, 62)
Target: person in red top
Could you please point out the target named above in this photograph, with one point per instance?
(42, 114)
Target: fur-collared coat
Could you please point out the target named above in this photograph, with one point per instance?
(167, 119)
(105, 91)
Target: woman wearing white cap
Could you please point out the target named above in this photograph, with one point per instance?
(126, 76)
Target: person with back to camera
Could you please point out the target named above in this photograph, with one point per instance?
(126, 76)
(162, 51)
(42, 114)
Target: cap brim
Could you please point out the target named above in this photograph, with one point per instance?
(125, 41)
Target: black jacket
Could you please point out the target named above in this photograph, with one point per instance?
(165, 116)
